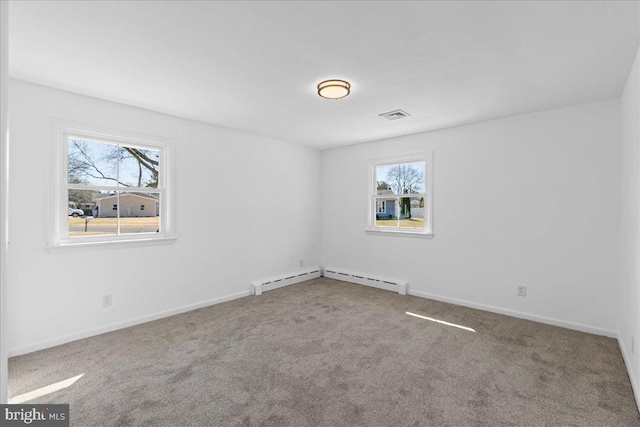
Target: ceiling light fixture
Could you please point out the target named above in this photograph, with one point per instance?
(334, 89)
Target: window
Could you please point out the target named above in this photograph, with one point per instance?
(112, 175)
(401, 199)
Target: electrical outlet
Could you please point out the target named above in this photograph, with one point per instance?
(522, 291)
(301, 263)
(106, 300)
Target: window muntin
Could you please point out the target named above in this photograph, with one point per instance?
(404, 187)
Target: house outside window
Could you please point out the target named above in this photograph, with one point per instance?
(401, 199)
(116, 175)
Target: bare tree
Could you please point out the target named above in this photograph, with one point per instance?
(405, 179)
(147, 160)
(82, 164)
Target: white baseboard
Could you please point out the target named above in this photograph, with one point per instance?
(260, 286)
(387, 284)
(519, 314)
(120, 325)
(627, 361)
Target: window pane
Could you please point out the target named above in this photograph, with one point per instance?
(92, 163)
(81, 202)
(83, 220)
(386, 212)
(139, 167)
(139, 212)
(401, 178)
(412, 215)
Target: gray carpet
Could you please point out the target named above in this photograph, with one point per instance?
(329, 353)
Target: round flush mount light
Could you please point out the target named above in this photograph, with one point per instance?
(334, 89)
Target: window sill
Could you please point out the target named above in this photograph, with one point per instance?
(109, 244)
(404, 233)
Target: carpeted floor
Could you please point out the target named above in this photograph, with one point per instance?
(329, 353)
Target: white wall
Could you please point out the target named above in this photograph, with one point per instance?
(630, 226)
(269, 190)
(531, 199)
(4, 152)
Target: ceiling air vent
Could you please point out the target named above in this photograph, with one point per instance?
(395, 114)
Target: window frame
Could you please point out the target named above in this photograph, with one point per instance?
(427, 230)
(59, 229)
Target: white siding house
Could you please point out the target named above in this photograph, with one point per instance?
(131, 205)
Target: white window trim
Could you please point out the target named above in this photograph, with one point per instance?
(58, 223)
(384, 206)
(427, 231)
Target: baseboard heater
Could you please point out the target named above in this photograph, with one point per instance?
(260, 286)
(368, 280)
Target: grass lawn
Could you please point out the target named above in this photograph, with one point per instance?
(99, 226)
(407, 223)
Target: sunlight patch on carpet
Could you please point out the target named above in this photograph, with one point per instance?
(442, 322)
(43, 391)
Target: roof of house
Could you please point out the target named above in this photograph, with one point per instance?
(104, 196)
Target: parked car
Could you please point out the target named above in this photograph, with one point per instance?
(76, 212)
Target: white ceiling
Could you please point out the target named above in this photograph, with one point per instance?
(254, 66)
